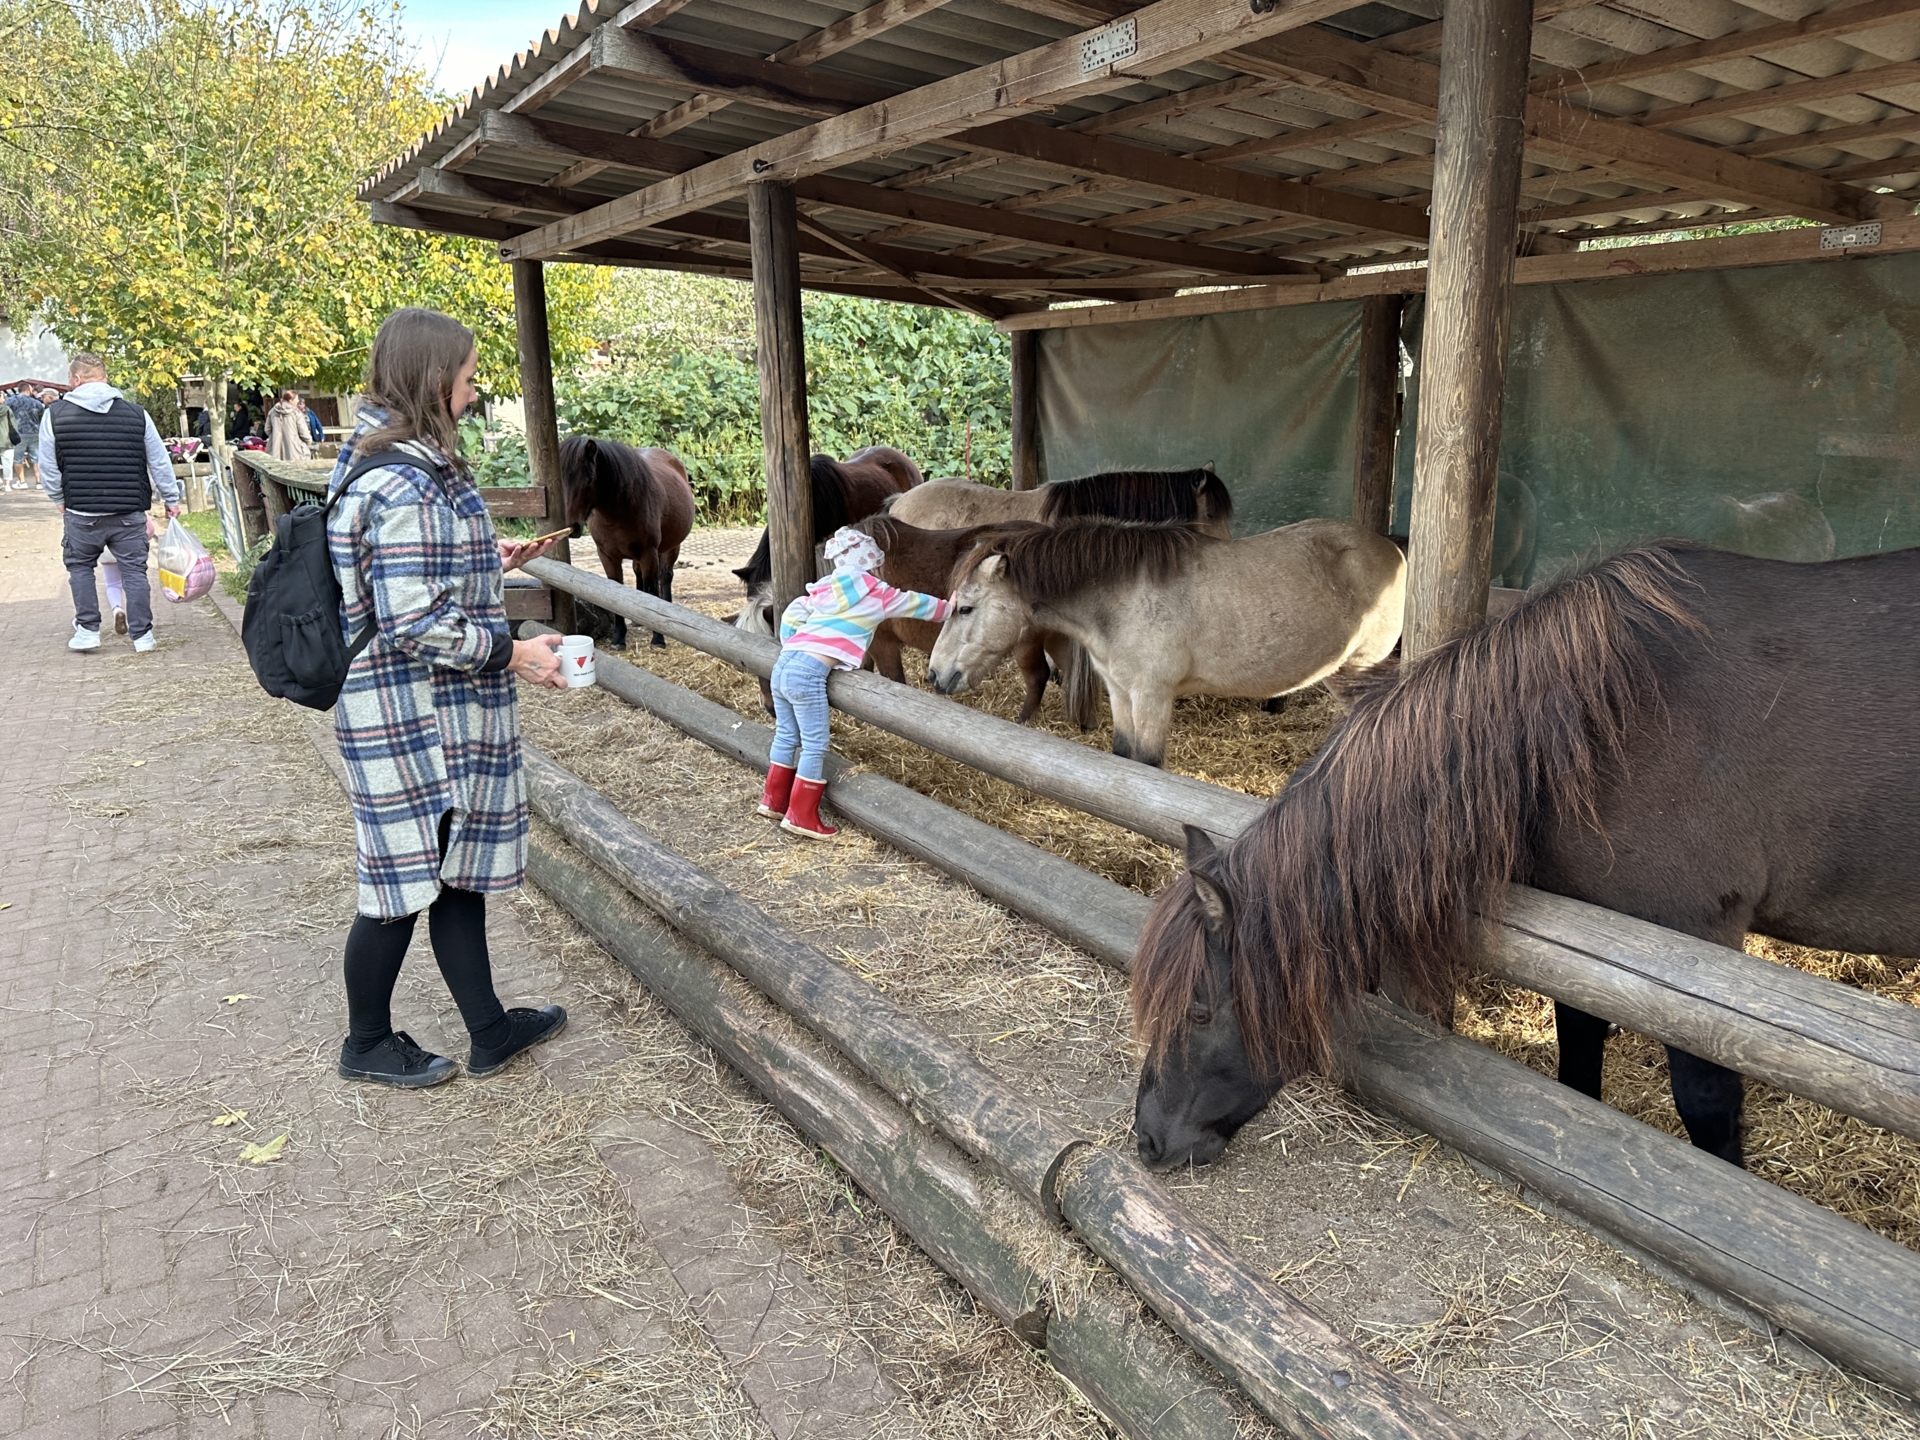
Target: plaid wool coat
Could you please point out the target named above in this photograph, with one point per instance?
(428, 720)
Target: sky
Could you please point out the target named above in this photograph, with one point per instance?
(467, 40)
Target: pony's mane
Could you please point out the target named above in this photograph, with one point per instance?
(1385, 847)
(1148, 496)
(1047, 563)
(623, 464)
(832, 501)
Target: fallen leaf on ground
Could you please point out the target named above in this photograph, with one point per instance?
(234, 999)
(137, 764)
(6, 904)
(261, 1154)
(232, 1117)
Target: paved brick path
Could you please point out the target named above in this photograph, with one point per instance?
(175, 872)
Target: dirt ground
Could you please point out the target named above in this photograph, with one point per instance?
(1521, 1321)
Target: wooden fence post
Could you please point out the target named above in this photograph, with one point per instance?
(1026, 409)
(781, 347)
(543, 425)
(1378, 421)
(1463, 363)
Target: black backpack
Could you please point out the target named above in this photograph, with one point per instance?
(292, 624)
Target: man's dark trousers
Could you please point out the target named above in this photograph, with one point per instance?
(125, 538)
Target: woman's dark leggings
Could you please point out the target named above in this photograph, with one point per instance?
(457, 925)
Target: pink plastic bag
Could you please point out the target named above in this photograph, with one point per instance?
(186, 569)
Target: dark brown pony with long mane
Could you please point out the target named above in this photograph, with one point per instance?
(637, 504)
(1710, 742)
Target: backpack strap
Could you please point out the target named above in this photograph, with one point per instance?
(361, 467)
(381, 461)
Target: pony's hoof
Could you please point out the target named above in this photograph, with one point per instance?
(659, 642)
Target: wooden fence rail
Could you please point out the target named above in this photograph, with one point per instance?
(1294, 1366)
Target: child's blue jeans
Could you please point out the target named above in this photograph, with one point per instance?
(800, 713)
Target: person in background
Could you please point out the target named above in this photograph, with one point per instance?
(428, 720)
(315, 432)
(827, 628)
(287, 429)
(101, 461)
(26, 409)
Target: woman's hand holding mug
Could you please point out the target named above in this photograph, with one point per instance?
(535, 662)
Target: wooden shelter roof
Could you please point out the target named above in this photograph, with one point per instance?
(995, 155)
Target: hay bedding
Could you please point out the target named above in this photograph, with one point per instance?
(1519, 1321)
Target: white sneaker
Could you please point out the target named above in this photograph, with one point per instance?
(84, 639)
(145, 643)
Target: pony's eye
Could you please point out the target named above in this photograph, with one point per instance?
(963, 610)
(1200, 1014)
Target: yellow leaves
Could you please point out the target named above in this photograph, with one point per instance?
(234, 999)
(229, 1117)
(264, 1154)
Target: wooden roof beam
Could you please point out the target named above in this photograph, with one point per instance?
(1902, 128)
(1797, 92)
(1168, 34)
(575, 142)
(1737, 45)
(861, 26)
(1569, 131)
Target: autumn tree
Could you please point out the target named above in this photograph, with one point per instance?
(180, 191)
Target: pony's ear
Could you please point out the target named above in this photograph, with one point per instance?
(1200, 847)
(1216, 906)
(745, 574)
(992, 568)
(1208, 467)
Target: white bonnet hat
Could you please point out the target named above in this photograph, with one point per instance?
(850, 549)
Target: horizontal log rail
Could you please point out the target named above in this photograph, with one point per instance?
(1293, 1365)
(1142, 1380)
(1854, 1052)
(1848, 1292)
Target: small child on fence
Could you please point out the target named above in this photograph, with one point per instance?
(829, 628)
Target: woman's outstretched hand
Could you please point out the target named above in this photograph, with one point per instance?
(535, 661)
(515, 553)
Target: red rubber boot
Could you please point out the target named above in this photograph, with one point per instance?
(773, 799)
(803, 811)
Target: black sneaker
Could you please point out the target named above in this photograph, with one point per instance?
(396, 1060)
(524, 1028)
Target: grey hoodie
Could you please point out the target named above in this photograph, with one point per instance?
(98, 396)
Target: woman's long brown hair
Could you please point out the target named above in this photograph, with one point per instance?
(410, 375)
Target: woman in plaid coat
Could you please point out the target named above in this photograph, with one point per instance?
(428, 721)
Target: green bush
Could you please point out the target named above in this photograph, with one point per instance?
(930, 382)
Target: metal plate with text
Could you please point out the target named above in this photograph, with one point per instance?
(1104, 47)
(1847, 237)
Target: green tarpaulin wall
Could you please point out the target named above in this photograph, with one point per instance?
(1772, 410)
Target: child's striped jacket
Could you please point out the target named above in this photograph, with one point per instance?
(835, 619)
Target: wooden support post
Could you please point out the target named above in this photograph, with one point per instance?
(543, 425)
(1026, 409)
(774, 232)
(1378, 424)
(1463, 364)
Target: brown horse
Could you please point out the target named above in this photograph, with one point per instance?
(1710, 742)
(844, 493)
(924, 560)
(637, 504)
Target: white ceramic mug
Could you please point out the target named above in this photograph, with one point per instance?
(576, 660)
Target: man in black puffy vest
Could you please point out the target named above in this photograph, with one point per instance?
(100, 461)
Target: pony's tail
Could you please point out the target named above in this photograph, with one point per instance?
(1079, 687)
